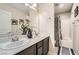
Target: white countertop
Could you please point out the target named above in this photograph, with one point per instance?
(16, 50)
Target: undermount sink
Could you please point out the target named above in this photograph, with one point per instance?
(13, 45)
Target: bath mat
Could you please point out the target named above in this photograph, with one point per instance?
(65, 51)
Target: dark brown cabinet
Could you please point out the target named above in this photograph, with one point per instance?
(39, 51)
(40, 48)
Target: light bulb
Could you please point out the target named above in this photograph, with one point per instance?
(34, 5)
(61, 5)
(32, 8)
(27, 4)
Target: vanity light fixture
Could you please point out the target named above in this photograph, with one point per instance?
(31, 5)
(26, 4)
(32, 8)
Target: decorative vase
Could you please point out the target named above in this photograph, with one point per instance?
(29, 33)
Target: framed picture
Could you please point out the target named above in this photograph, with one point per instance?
(76, 11)
(14, 22)
(21, 21)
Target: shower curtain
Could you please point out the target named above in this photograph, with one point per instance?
(58, 35)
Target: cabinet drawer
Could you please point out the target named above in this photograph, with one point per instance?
(39, 44)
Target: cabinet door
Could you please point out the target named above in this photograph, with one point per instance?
(39, 51)
(45, 46)
(39, 47)
(29, 51)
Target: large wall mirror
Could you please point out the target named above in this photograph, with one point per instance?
(5, 22)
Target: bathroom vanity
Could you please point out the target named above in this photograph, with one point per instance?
(40, 48)
(38, 45)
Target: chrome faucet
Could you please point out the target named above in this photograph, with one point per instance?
(15, 38)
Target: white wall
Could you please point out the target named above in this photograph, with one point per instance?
(75, 29)
(73, 18)
(46, 22)
(15, 14)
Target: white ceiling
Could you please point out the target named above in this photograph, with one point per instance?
(19, 6)
(65, 7)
